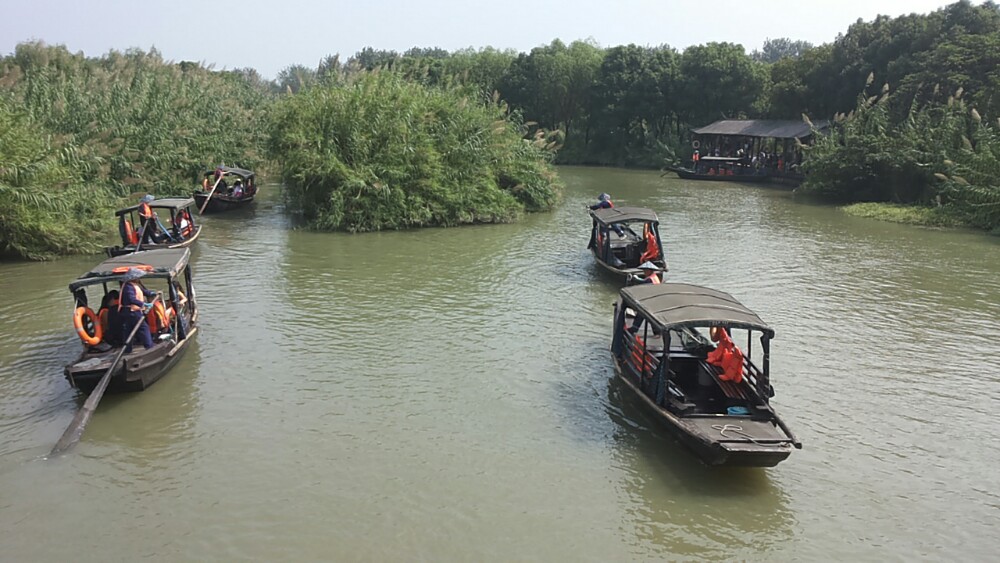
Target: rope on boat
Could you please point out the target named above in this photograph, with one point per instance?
(735, 429)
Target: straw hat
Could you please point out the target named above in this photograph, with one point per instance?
(647, 265)
(133, 274)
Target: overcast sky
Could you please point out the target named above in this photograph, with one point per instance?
(271, 34)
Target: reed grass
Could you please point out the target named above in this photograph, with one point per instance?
(374, 151)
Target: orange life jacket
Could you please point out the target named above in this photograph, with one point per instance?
(131, 237)
(727, 356)
(157, 318)
(652, 248)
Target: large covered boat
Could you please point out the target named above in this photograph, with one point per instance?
(622, 238)
(173, 321)
(226, 188)
(179, 231)
(673, 345)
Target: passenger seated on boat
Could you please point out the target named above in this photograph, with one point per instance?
(110, 321)
(727, 356)
(238, 188)
(185, 225)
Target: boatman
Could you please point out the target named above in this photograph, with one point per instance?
(695, 158)
(147, 219)
(604, 202)
(651, 276)
(132, 308)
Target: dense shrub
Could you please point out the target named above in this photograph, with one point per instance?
(374, 151)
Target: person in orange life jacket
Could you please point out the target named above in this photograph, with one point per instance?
(114, 335)
(182, 224)
(132, 308)
(695, 158)
(147, 220)
(652, 277)
(604, 202)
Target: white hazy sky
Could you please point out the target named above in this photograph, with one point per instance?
(271, 34)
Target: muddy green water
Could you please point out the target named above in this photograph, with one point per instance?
(446, 394)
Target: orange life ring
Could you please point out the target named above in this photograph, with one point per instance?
(95, 324)
(123, 269)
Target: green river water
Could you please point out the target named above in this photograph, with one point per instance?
(447, 394)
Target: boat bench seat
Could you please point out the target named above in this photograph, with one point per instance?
(731, 389)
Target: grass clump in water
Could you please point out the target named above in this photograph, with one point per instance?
(373, 151)
(907, 214)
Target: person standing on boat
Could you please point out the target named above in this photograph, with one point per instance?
(695, 158)
(132, 308)
(604, 202)
(147, 219)
(651, 276)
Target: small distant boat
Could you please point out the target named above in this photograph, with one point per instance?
(721, 169)
(673, 345)
(172, 324)
(175, 227)
(621, 238)
(236, 187)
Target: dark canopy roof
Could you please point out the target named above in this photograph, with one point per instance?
(670, 305)
(227, 170)
(769, 128)
(165, 203)
(623, 214)
(165, 263)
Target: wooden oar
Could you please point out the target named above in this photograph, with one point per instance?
(75, 429)
(207, 199)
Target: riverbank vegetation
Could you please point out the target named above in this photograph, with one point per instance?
(81, 135)
(374, 151)
(111, 127)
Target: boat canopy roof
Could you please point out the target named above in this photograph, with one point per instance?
(766, 128)
(230, 171)
(672, 305)
(165, 263)
(165, 203)
(624, 214)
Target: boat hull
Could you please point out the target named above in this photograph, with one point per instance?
(625, 271)
(686, 174)
(135, 372)
(113, 251)
(715, 438)
(219, 203)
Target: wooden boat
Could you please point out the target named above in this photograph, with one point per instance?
(167, 271)
(175, 233)
(721, 169)
(237, 188)
(664, 358)
(617, 244)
